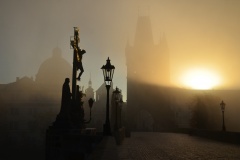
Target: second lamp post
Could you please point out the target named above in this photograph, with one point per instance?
(222, 104)
(108, 71)
(117, 99)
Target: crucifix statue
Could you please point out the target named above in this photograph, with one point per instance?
(77, 60)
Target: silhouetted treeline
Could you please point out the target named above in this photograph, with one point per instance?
(205, 112)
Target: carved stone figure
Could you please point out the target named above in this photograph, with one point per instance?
(66, 97)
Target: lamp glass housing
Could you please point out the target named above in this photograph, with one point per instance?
(108, 71)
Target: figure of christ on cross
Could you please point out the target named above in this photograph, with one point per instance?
(77, 52)
(79, 62)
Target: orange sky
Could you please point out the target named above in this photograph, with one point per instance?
(200, 33)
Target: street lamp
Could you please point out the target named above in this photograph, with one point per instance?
(90, 103)
(117, 97)
(222, 104)
(108, 71)
(121, 102)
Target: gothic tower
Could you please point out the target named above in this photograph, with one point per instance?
(147, 62)
(147, 66)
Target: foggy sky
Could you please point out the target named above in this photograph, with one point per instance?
(200, 33)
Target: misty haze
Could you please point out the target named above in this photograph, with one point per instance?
(176, 71)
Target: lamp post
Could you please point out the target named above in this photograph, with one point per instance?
(108, 71)
(90, 103)
(222, 104)
(121, 102)
(117, 98)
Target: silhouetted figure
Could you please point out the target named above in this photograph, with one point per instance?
(63, 118)
(66, 96)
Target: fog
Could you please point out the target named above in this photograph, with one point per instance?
(199, 33)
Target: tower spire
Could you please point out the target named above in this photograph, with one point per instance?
(90, 81)
(143, 35)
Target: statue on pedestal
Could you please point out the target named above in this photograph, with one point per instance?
(72, 114)
(65, 139)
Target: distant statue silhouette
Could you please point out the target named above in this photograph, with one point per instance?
(77, 113)
(66, 96)
(79, 96)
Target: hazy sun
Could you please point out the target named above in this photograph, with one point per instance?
(200, 79)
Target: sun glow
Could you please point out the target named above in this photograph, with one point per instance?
(200, 79)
